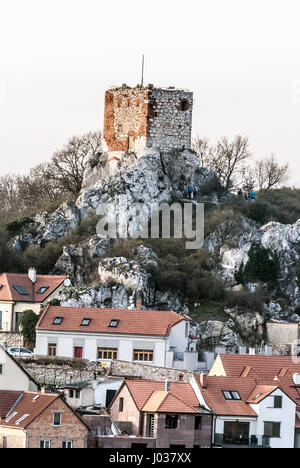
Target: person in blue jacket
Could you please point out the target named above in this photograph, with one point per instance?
(190, 191)
(252, 195)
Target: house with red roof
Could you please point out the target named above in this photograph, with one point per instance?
(248, 413)
(20, 292)
(274, 396)
(39, 420)
(167, 412)
(145, 336)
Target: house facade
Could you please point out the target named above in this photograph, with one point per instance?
(275, 394)
(20, 292)
(145, 336)
(13, 376)
(36, 420)
(167, 412)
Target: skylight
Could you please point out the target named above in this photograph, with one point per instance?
(114, 323)
(21, 290)
(85, 322)
(22, 418)
(42, 290)
(231, 395)
(57, 320)
(11, 416)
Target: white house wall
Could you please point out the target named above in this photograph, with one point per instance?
(179, 337)
(126, 344)
(285, 416)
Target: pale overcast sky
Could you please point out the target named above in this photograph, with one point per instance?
(240, 58)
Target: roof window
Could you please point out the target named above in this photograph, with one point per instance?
(42, 290)
(21, 290)
(231, 395)
(58, 320)
(114, 323)
(85, 322)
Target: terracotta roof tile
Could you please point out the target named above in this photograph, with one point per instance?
(213, 388)
(268, 367)
(7, 400)
(136, 321)
(30, 404)
(260, 392)
(9, 293)
(141, 390)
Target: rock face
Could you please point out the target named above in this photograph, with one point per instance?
(232, 251)
(150, 180)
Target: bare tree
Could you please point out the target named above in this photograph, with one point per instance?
(227, 159)
(270, 174)
(67, 166)
(204, 149)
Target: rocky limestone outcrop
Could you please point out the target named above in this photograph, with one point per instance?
(232, 248)
(149, 181)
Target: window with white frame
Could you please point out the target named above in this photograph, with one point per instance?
(57, 418)
(45, 443)
(67, 444)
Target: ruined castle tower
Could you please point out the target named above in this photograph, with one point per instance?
(147, 117)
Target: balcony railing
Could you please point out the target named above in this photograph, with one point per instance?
(252, 441)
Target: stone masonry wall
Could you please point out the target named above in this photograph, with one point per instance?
(125, 116)
(170, 119)
(147, 117)
(54, 374)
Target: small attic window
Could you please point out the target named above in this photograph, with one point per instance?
(231, 395)
(184, 105)
(85, 322)
(21, 290)
(57, 321)
(42, 290)
(114, 323)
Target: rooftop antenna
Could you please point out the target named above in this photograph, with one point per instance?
(143, 62)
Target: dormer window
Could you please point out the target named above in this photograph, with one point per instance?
(114, 323)
(57, 321)
(85, 322)
(42, 290)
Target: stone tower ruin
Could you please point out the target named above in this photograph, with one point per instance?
(145, 117)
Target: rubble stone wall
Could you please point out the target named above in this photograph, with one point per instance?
(147, 117)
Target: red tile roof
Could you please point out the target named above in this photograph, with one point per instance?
(166, 402)
(260, 392)
(212, 390)
(136, 321)
(141, 391)
(9, 293)
(261, 367)
(7, 399)
(29, 406)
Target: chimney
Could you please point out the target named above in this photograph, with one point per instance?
(32, 275)
(139, 301)
(296, 379)
(167, 386)
(202, 380)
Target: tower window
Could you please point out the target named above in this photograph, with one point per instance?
(184, 105)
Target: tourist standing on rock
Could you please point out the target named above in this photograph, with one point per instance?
(252, 195)
(240, 193)
(247, 196)
(195, 192)
(190, 191)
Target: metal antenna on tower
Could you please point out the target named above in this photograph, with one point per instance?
(143, 61)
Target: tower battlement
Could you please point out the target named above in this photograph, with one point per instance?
(147, 117)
